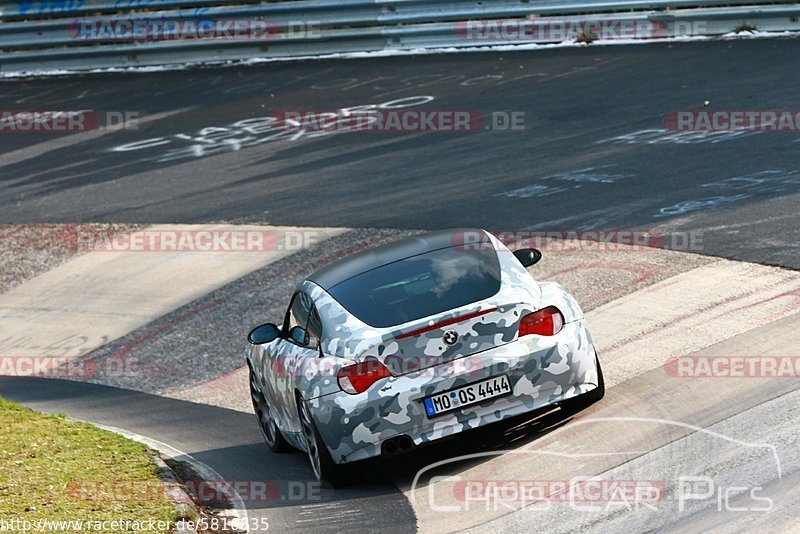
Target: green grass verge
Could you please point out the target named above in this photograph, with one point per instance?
(54, 469)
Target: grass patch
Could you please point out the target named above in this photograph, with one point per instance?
(54, 469)
(586, 36)
(741, 28)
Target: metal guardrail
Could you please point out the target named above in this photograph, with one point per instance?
(46, 35)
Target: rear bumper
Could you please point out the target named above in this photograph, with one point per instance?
(541, 371)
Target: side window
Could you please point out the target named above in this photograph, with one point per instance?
(297, 314)
(314, 324)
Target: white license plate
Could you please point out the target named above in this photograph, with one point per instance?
(464, 396)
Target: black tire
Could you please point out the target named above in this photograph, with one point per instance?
(323, 466)
(585, 400)
(269, 429)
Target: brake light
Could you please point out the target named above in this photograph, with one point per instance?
(354, 379)
(546, 322)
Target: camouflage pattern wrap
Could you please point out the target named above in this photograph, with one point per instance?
(541, 369)
(346, 336)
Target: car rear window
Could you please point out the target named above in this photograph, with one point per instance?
(420, 286)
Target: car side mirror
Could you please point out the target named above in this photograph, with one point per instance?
(263, 334)
(300, 336)
(528, 256)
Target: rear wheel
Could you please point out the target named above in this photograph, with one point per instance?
(325, 469)
(585, 400)
(269, 429)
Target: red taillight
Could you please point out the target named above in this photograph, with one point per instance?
(354, 379)
(546, 322)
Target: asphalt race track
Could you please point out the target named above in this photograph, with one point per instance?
(594, 154)
(582, 108)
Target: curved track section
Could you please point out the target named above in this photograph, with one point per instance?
(594, 154)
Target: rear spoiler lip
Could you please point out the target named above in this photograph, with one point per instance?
(455, 320)
(400, 332)
(446, 322)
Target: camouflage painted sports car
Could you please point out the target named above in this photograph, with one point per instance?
(401, 345)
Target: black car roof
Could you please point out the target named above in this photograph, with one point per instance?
(366, 260)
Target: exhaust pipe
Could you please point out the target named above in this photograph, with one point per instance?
(404, 443)
(396, 445)
(390, 446)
